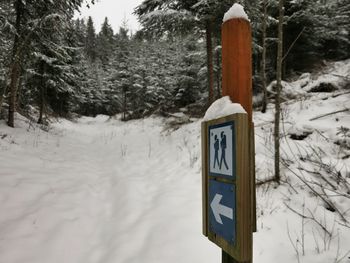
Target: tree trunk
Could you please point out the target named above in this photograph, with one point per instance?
(3, 94)
(218, 72)
(15, 67)
(15, 75)
(210, 65)
(42, 93)
(278, 92)
(263, 62)
(124, 104)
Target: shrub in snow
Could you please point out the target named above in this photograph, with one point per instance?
(324, 87)
(299, 135)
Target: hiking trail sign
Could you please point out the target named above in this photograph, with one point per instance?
(227, 185)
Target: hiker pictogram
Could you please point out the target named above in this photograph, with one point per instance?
(216, 147)
(221, 149)
(223, 145)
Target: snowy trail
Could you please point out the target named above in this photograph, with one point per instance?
(102, 191)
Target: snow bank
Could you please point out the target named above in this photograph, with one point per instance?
(222, 107)
(236, 11)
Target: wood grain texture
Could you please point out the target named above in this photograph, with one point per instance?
(204, 149)
(237, 83)
(242, 250)
(237, 63)
(252, 175)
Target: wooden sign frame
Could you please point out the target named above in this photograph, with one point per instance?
(241, 249)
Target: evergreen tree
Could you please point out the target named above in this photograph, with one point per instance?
(105, 43)
(55, 77)
(29, 20)
(6, 13)
(124, 80)
(188, 83)
(332, 29)
(194, 15)
(90, 40)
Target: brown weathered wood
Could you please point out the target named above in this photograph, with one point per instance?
(226, 258)
(242, 250)
(237, 83)
(237, 63)
(204, 150)
(252, 175)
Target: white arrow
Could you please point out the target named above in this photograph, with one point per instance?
(219, 209)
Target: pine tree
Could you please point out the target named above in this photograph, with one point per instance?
(30, 20)
(105, 43)
(188, 16)
(90, 40)
(123, 74)
(6, 13)
(187, 82)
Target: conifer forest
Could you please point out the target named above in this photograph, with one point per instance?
(59, 66)
(124, 145)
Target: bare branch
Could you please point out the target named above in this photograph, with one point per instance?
(328, 114)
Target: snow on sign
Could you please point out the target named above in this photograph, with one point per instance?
(222, 149)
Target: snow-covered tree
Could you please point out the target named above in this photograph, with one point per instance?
(105, 43)
(187, 81)
(193, 16)
(30, 20)
(6, 13)
(90, 40)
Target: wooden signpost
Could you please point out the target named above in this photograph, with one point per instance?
(229, 210)
(227, 191)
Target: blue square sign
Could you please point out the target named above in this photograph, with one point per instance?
(222, 210)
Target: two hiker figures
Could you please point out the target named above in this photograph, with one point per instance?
(223, 146)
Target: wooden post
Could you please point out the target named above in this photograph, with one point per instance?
(237, 84)
(226, 258)
(237, 63)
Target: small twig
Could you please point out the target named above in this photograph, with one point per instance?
(292, 45)
(339, 260)
(262, 182)
(308, 185)
(328, 114)
(315, 239)
(342, 224)
(294, 246)
(312, 217)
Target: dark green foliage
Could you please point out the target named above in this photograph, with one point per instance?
(188, 83)
(105, 43)
(90, 40)
(68, 67)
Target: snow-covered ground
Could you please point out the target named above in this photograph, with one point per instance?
(99, 190)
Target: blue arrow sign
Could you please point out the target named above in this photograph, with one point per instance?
(222, 210)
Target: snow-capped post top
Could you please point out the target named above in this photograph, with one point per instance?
(236, 11)
(221, 108)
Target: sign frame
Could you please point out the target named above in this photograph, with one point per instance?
(242, 248)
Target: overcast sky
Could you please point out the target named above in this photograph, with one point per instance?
(115, 10)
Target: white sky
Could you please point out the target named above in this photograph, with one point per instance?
(115, 10)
